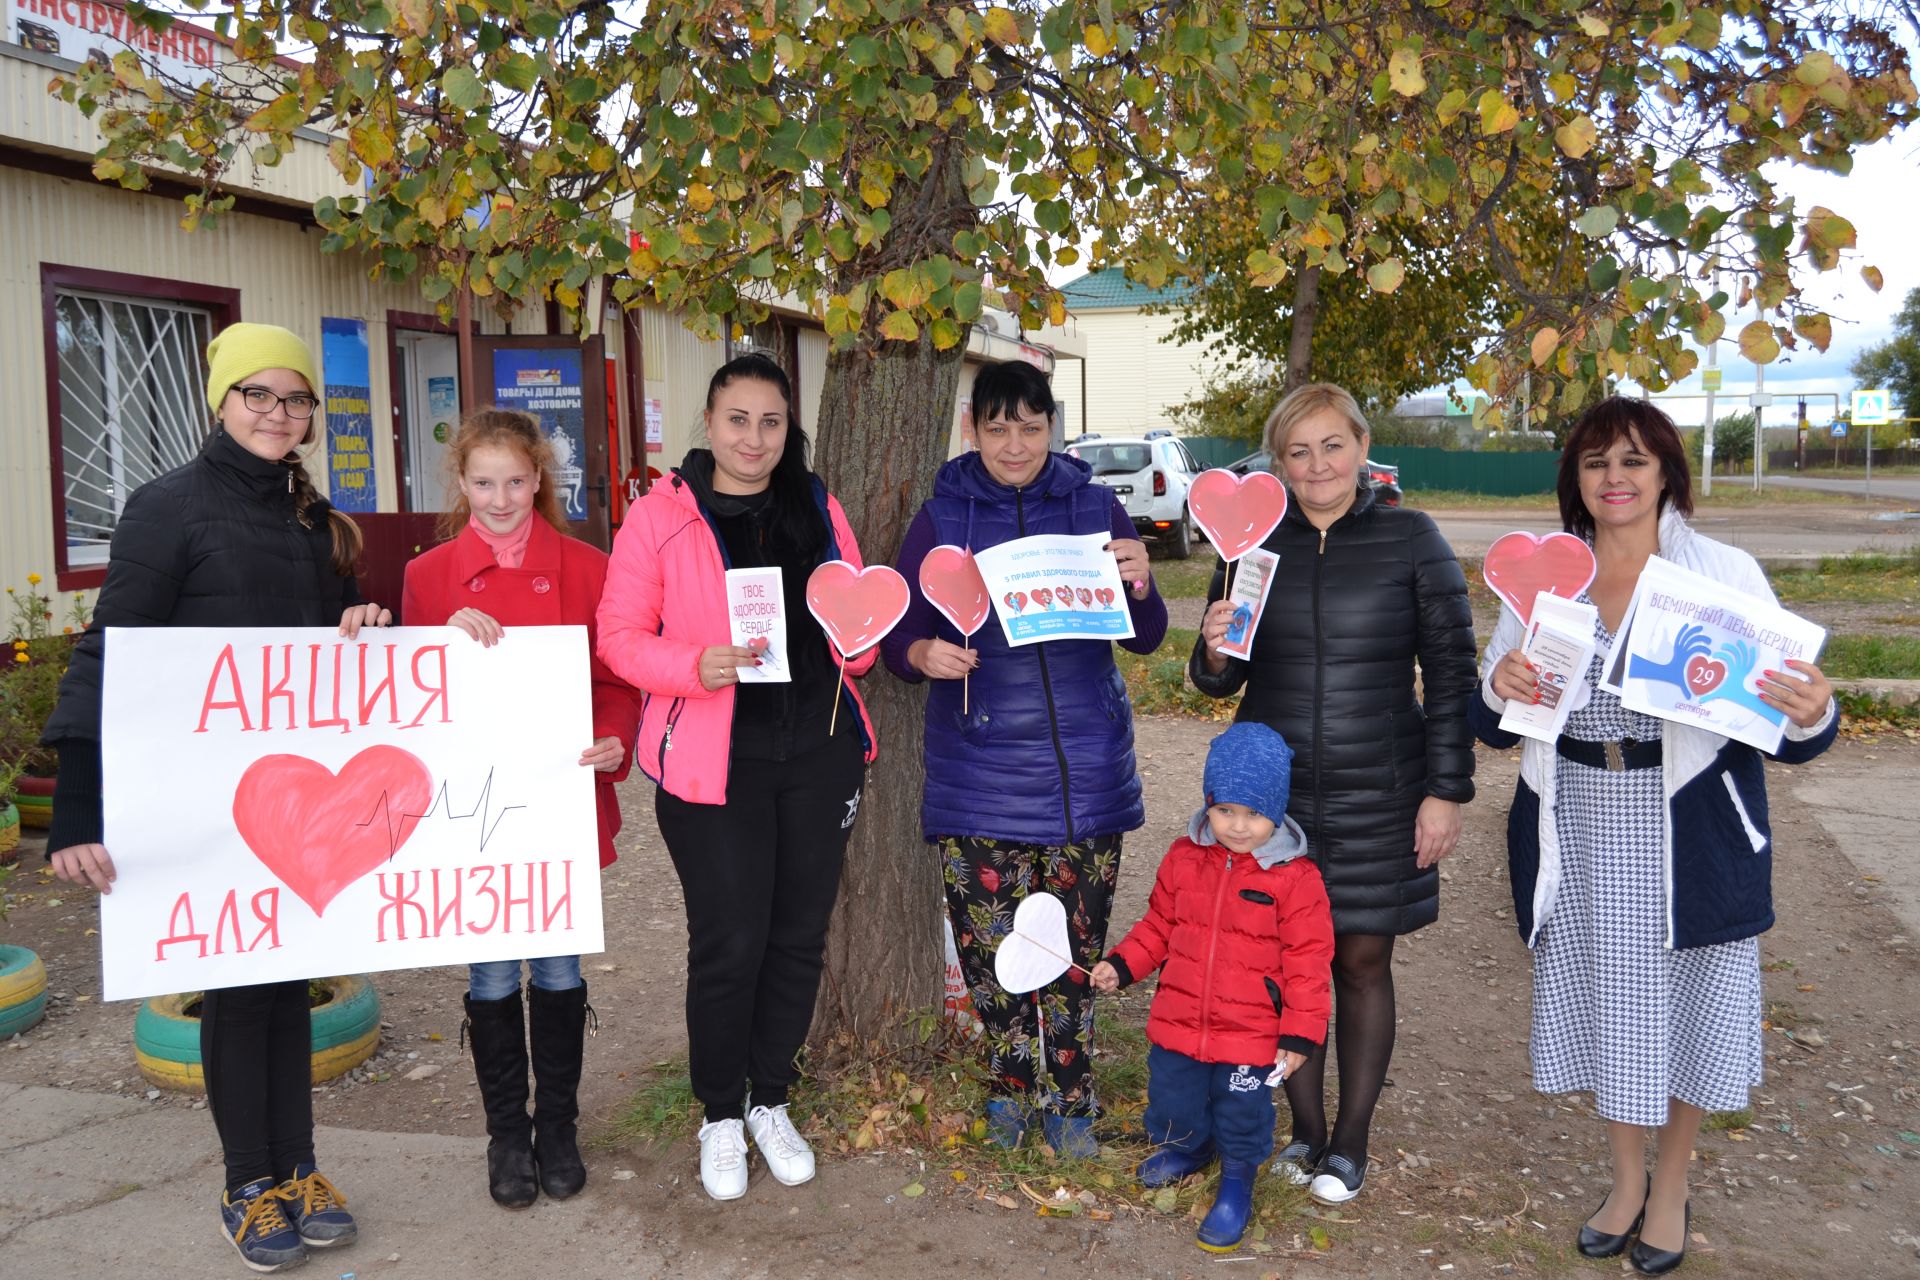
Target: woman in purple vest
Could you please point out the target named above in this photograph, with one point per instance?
(1030, 776)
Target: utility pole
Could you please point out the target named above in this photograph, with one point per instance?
(1759, 399)
(1711, 380)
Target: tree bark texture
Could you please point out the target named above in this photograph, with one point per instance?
(1306, 314)
(886, 416)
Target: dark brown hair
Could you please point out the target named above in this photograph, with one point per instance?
(502, 429)
(1595, 432)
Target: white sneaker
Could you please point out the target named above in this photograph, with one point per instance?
(1336, 1181)
(789, 1158)
(723, 1159)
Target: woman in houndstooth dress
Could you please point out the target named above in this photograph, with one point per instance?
(1639, 849)
(1615, 1013)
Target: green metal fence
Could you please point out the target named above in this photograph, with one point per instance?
(1506, 475)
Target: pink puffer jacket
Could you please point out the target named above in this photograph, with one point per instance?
(652, 637)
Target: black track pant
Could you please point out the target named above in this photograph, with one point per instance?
(256, 1048)
(760, 874)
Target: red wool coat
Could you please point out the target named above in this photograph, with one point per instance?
(558, 584)
(1231, 934)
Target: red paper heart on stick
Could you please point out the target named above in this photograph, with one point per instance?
(1519, 566)
(856, 606)
(951, 582)
(319, 831)
(1704, 674)
(1237, 512)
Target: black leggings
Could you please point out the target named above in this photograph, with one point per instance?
(256, 1048)
(1363, 1028)
(760, 874)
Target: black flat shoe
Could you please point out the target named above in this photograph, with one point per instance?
(1601, 1244)
(1657, 1262)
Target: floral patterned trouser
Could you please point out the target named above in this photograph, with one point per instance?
(985, 880)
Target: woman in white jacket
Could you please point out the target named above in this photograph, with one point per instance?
(1640, 852)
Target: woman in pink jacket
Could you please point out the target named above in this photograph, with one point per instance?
(757, 783)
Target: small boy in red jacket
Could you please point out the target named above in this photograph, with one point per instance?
(1239, 917)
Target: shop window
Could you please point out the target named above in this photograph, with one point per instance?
(128, 401)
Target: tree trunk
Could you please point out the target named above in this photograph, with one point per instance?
(1306, 314)
(886, 416)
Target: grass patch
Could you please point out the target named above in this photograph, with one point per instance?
(1457, 500)
(662, 1110)
(1724, 1121)
(1157, 682)
(1863, 714)
(1855, 579)
(1185, 579)
(1869, 657)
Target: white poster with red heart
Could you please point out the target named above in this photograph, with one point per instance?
(1694, 651)
(285, 803)
(1056, 586)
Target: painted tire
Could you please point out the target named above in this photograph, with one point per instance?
(34, 798)
(23, 990)
(9, 832)
(346, 1031)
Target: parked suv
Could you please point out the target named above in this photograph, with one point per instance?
(1150, 474)
(1381, 477)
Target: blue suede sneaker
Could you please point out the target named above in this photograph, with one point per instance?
(1170, 1164)
(254, 1219)
(1071, 1136)
(318, 1212)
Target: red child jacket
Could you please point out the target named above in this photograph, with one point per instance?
(558, 584)
(1237, 939)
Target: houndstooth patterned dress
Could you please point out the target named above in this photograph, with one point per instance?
(1615, 1013)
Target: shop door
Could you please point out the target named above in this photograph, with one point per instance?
(426, 409)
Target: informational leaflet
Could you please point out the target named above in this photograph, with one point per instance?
(1252, 580)
(1694, 651)
(756, 609)
(1056, 587)
(1560, 645)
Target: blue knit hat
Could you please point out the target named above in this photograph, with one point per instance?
(1252, 765)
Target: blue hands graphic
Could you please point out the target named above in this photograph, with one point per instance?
(1691, 642)
(1741, 658)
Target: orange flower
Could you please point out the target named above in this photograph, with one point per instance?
(33, 579)
(21, 657)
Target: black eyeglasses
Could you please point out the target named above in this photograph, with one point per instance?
(261, 400)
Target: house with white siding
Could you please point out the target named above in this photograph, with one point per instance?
(1135, 371)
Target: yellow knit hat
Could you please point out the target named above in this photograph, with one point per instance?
(242, 350)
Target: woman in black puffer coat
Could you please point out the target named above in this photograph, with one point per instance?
(238, 537)
(1362, 593)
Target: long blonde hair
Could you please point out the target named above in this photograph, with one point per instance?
(1302, 403)
(502, 429)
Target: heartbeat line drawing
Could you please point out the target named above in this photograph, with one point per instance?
(397, 830)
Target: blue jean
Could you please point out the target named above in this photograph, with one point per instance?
(1190, 1102)
(498, 979)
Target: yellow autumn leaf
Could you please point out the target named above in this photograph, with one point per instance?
(1758, 342)
(1404, 74)
(1875, 281)
(1385, 276)
(1099, 43)
(1593, 26)
(1545, 343)
(700, 197)
(1002, 26)
(900, 326)
(1577, 136)
(1816, 328)
(1497, 115)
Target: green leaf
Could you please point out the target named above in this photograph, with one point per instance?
(966, 301)
(1603, 274)
(1385, 276)
(462, 88)
(1451, 104)
(899, 326)
(517, 72)
(1598, 221)
(913, 1189)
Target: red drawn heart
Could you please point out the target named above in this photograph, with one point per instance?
(1104, 595)
(1704, 674)
(951, 582)
(1084, 596)
(1237, 512)
(856, 606)
(758, 644)
(1016, 601)
(319, 831)
(1064, 594)
(1043, 597)
(1519, 566)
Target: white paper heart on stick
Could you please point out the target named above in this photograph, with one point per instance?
(1037, 951)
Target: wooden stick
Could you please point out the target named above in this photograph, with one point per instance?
(838, 692)
(966, 691)
(1055, 954)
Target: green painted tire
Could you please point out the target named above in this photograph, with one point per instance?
(23, 990)
(346, 1031)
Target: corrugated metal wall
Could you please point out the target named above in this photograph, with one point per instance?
(1135, 372)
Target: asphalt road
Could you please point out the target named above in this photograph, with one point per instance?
(1769, 533)
(1904, 488)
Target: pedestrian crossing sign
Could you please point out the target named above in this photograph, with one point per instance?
(1871, 408)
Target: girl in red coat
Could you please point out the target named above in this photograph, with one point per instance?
(508, 561)
(1240, 919)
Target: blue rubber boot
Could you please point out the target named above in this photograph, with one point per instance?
(1226, 1222)
(1071, 1136)
(1170, 1164)
(1007, 1120)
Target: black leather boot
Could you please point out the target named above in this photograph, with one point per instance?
(496, 1031)
(557, 1029)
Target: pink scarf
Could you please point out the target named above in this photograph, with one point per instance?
(509, 549)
